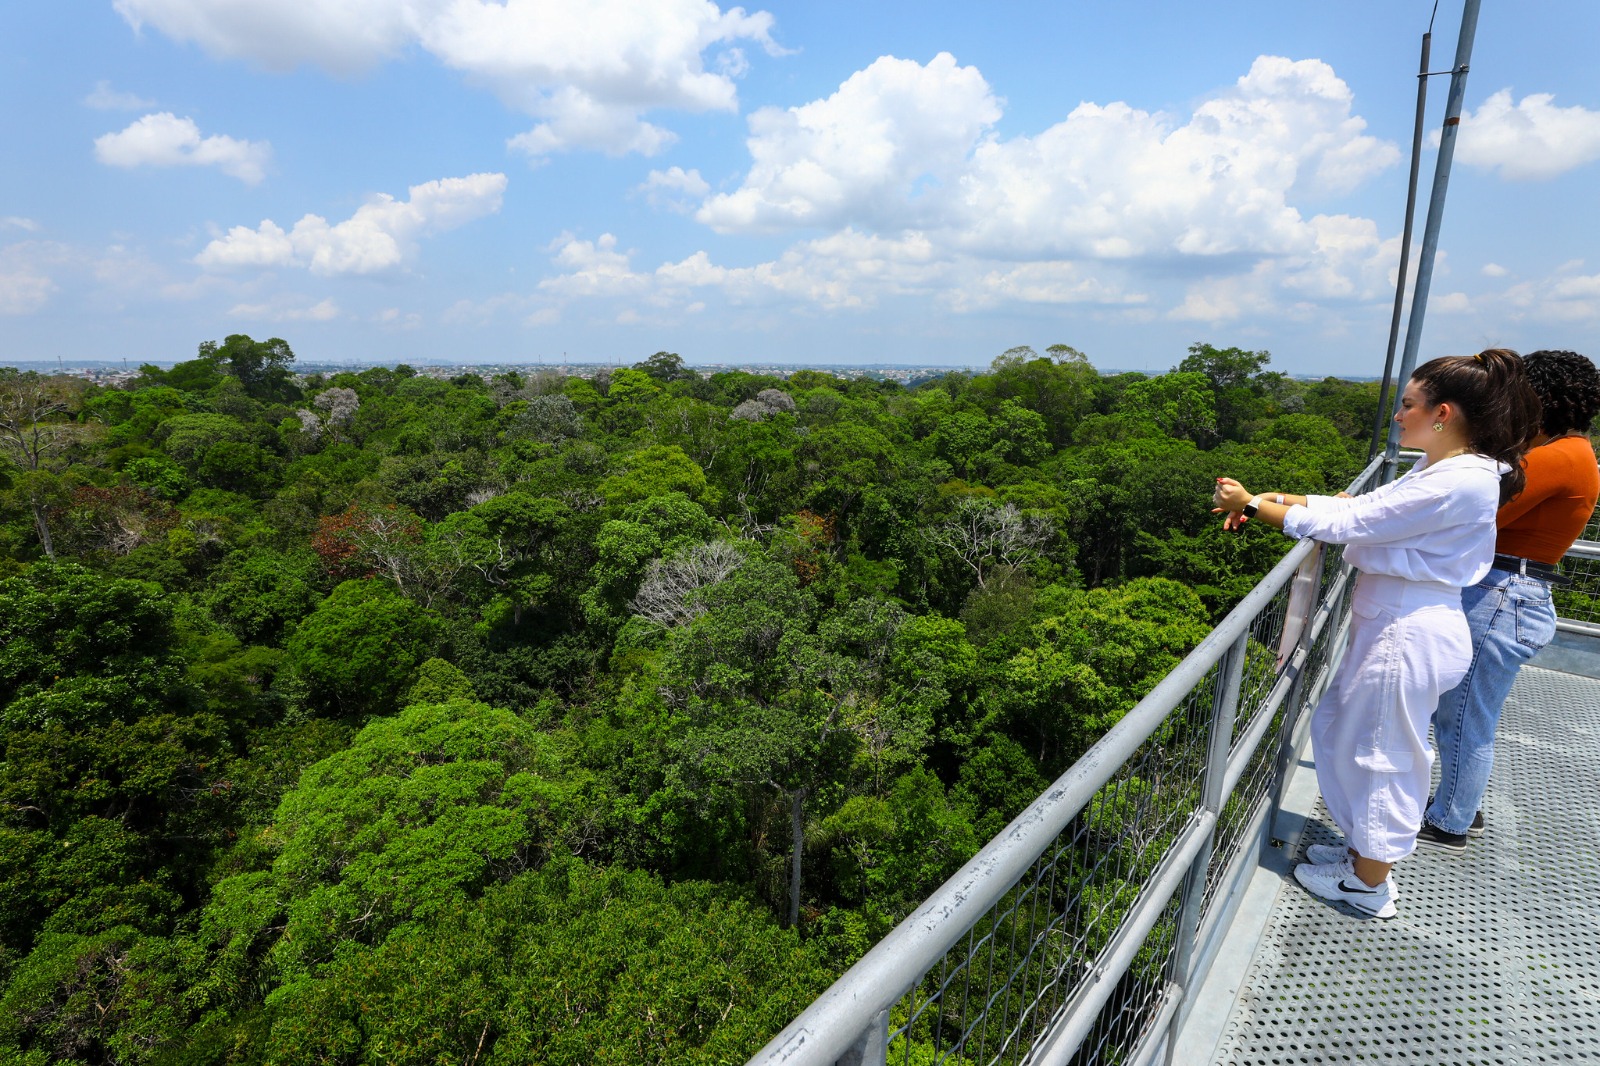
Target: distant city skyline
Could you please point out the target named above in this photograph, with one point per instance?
(791, 184)
(116, 372)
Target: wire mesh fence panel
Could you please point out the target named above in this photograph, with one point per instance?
(1592, 530)
(1263, 661)
(1004, 984)
(1126, 1018)
(1579, 601)
(1241, 806)
(1262, 669)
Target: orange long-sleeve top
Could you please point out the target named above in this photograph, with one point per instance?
(1549, 514)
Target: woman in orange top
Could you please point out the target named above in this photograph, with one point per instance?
(1509, 612)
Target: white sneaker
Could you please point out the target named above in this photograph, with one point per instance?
(1326, 854)
(1339, 882)
(1334, 854)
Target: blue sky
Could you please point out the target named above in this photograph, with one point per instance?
(819, 182)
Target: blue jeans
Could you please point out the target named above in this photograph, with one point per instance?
(1511, 618)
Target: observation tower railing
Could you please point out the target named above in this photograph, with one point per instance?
(1072, 936)
(1079, 933)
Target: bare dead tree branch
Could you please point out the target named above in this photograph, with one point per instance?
(669, 592)
(984, 534)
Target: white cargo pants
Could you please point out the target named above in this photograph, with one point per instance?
(1409, 644)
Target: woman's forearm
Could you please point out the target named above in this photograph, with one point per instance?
(1271, 512)
(1271, 507)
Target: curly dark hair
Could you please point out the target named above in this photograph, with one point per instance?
(1501, 408)
(1569, 387)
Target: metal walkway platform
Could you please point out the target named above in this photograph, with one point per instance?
(1494, 957)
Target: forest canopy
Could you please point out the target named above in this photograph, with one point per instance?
(378, 717)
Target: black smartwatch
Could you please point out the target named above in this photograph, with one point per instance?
(1249, 510)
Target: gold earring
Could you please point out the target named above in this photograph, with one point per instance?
(1438, 427)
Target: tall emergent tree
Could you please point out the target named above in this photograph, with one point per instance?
(262, 367)
(31, 434)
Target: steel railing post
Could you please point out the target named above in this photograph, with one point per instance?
(1224, 712)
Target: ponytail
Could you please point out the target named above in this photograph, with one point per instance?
(1501, 409)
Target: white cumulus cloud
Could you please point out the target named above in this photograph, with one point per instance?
(380, 236)
(343, 36)
(592, 268)
(1569, 297)
(165, 140)
(905, 145)
(392, 318)
(843, 271)
(867, 154)
(24, 291)
(1346, 261)
(1539, 307)
(915, 193)
(1226, 298)
(588, 70)
(1528, 140)
(578, 121)
(1114, 182)
(848, 270)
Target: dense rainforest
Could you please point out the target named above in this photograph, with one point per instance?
(378, 717)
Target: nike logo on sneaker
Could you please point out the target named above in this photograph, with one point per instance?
(1344, 886)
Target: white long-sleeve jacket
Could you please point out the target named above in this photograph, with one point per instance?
(1434, 524)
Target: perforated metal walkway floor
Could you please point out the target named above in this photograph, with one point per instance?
(1494, 957)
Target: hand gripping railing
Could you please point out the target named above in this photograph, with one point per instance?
(1075, 934)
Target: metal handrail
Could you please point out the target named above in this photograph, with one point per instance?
(1584, 549)
(850, 1022)
(1581, 566)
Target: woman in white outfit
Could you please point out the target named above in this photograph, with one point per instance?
(1417, 543)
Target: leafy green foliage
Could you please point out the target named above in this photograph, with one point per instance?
(104, 756)
(380, 717)
(653, 471)
(1098, 651)
(356, 651)
(81, 651)
(418, 814)
(568, 965)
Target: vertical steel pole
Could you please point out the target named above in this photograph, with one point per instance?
(1383, 414)
(1430, 232)
(1224, 712)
